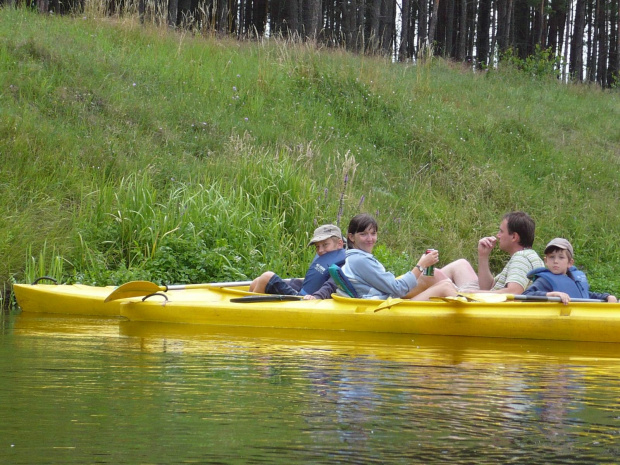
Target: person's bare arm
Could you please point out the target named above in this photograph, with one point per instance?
(511, 288)
(485, 277)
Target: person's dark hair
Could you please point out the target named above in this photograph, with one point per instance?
(360, 223)
(522, 224)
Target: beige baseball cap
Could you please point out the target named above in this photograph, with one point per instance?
(560, 243)
(325, 232)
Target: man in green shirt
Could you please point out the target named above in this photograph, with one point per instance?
(515, 237)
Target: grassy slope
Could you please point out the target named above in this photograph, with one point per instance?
(100, 119)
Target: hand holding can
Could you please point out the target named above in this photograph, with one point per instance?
(430, 270)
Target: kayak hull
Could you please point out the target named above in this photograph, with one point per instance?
(532, 320)
(68, 299)
(596, 322)
(80, 299)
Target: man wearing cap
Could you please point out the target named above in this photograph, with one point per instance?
(317, 284)
(560, 278)
(515, 237)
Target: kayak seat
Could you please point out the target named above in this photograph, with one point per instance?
(342, 282)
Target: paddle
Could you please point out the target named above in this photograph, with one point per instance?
(140, 288)
(485, 298)
(265, 298)
(495, 298)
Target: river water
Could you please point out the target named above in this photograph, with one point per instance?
(76, 390)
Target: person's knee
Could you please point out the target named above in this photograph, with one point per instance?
(443, 288)
(463, 264)
(259, 284)
(440, 275)
(447, 287)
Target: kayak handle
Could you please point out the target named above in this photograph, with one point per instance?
(155, 294)
(44, 277)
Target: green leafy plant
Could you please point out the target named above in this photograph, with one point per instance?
(542, 63)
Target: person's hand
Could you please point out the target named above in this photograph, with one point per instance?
(612, 299)
(486, 244)
(429, 259)
(562, 295)
(309, 297)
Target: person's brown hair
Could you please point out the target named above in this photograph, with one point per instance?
(522, 224)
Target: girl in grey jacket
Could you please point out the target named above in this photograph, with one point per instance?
(369, 276)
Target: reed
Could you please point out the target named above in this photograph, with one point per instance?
(48, 264)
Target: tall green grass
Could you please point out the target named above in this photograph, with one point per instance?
(136, 152)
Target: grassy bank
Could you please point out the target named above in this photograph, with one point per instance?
(136, 152)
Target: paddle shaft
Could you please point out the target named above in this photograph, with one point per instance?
(180, 287)
(140, 288)
(544, 298)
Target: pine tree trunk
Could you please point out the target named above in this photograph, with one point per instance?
(387, 26)
(352, 26)
(602, 40)
(433, 25)
(173, 9)
(521, 41)
(503, 25)
(482, 40)
(312, 16)
(576, 55)
(613, 72)
(43, 6)
(592, 42)
(403, 52)
(450, 36)
(557, 20)
(423, 24)
(567, 29)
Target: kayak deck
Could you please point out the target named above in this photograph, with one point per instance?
(532, 320)
(597, 322)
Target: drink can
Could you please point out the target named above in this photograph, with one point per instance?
(430, 271)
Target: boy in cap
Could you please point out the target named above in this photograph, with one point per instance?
(560, 278)
(317, 284)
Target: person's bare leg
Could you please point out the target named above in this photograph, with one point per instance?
(441, 289)
(424, 282)
(259, 284)
(460, 272)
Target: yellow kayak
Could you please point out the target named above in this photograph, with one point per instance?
(228, 306)
(80, 299)
(74, 299)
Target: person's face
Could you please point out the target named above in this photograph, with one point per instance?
(364, 240)
(558, 261)
(328, 245)
(505, 239)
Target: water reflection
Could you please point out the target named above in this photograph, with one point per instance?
(80, 390)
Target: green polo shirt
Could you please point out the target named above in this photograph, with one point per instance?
(517, 268)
